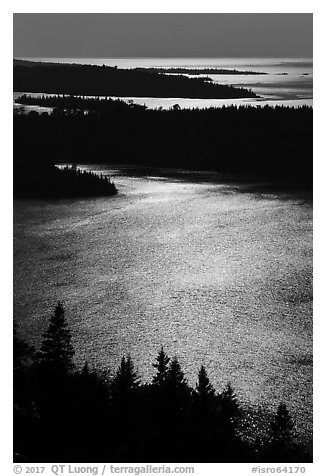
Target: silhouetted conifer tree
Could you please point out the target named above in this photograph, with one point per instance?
(204, 388)
(56, 353)
(229, 414)
(283, 431)
(50, 394)
(283, 435)
(125, 380)
(125, 402)
(176, 391)
(175, 376)
(204, 419)
(229, 403)
(162, 366)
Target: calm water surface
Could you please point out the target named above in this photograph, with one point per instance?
(216, 274)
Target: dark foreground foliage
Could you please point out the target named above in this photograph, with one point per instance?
(264, 142)
(68, 415)
(113, 81)
(48, 182)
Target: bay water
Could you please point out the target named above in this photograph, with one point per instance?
(218, 273)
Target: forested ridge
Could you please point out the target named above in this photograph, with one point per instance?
(248, 141)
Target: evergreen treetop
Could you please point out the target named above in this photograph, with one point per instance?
(204, 388)
(175, 375)
(283, 429)
(56, 353)
(125, 380)
(162, 366)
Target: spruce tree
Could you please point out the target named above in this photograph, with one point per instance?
(204, 405)
(56, 353)
(177, 391)
(204, 388)
(203, 418)
(229, 403)
(283, 431)
(229, 414)
(125, 380)
(175, 376)
(282, 447)
(162, 366)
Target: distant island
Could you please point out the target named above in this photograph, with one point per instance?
(197, 71)
(103, 80)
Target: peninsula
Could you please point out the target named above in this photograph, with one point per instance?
(58, 78)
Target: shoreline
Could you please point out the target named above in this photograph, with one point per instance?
(250, 183)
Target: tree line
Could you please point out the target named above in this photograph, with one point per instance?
(196, 71)
(47, 181)
(66, 414)
(247, 141)
(70, 104)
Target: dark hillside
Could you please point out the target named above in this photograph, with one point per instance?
(264, 142)
(107, 81)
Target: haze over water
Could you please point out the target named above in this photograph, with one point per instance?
(219, 275)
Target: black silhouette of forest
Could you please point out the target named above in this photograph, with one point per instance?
(270, 142)
(49, 182)
(196, 71)
(112, 81)
(66, 414)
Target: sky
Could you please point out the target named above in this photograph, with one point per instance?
(109, 35)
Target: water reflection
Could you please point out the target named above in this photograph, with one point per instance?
(218, 277)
